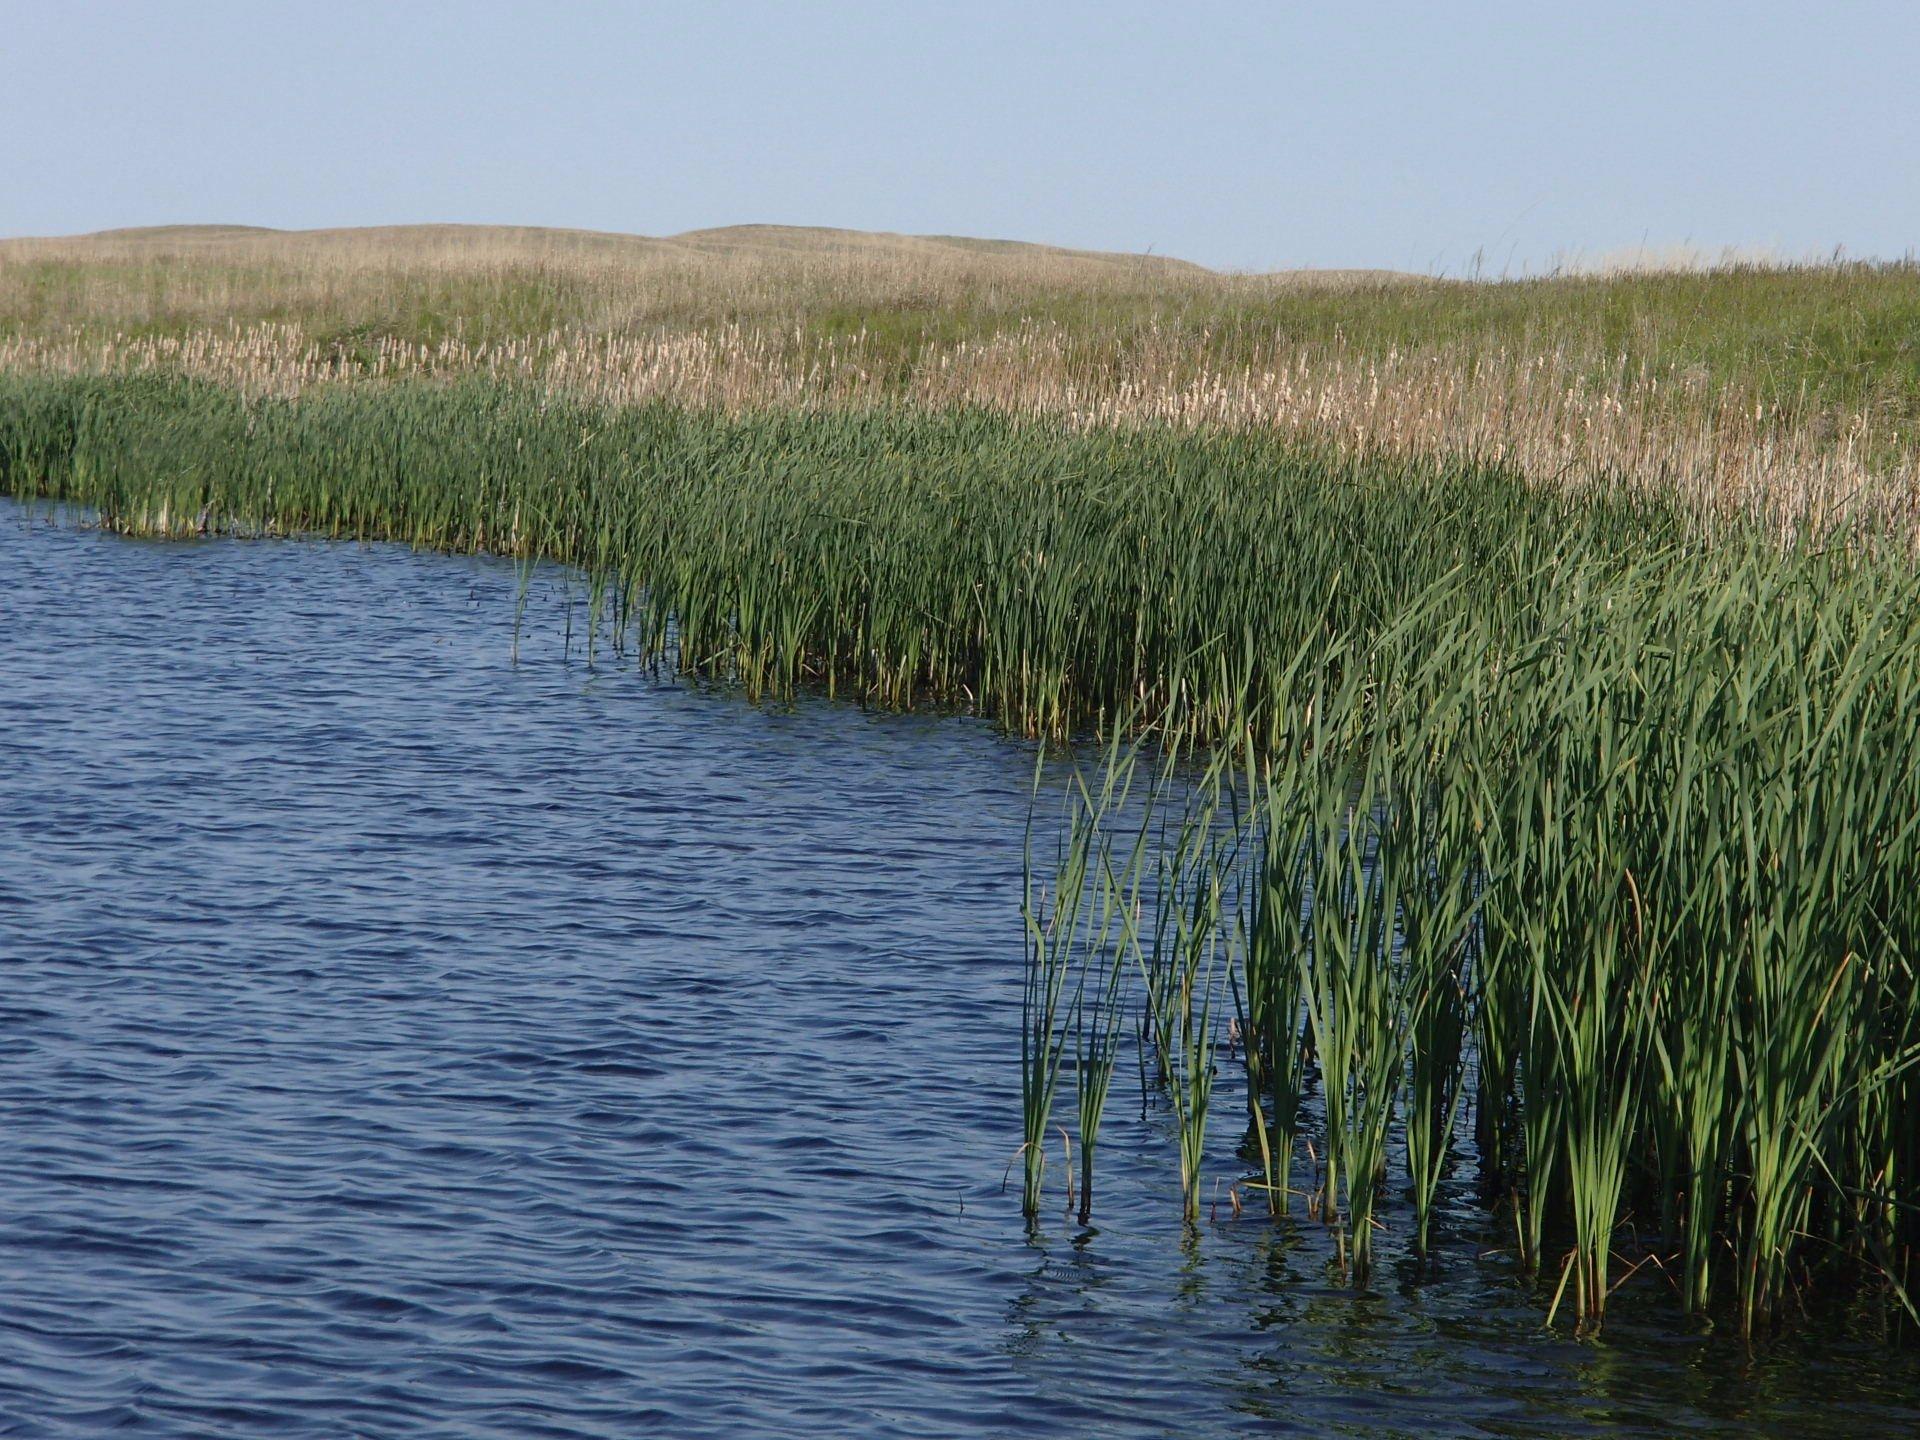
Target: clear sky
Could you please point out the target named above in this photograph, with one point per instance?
(1253, 136)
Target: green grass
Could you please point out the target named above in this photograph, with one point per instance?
(1046, 578)
(1650, 827)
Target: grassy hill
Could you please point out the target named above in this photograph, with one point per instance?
(534, 242)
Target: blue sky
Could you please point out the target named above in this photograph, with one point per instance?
(1240, 135)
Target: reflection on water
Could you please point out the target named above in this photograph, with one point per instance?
(398, 1042)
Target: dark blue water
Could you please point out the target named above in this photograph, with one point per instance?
(396, 1041)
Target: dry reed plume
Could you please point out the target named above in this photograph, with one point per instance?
(1544, 413)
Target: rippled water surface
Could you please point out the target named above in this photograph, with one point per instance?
(398, 1041)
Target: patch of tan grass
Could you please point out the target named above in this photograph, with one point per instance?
(482, 279)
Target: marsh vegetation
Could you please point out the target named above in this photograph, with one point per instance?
(1498, 705)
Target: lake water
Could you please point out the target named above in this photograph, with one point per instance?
(400, 1041)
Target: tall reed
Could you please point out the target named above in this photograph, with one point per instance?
(1639, 818)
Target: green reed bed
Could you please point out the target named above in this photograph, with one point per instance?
(1563, 820)
(1626, 852)
(1044, 577)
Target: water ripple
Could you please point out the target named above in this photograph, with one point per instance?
(397, 1042)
